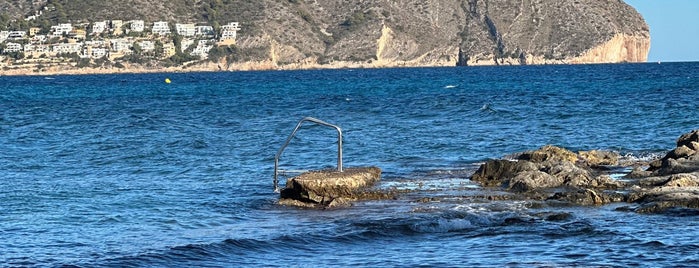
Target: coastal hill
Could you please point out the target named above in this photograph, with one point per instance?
(290, 34)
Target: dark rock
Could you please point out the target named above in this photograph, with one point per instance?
(585, 197)
(529, 180)
(682, 180)
(680, 152)
(682, 159)
(555, 216)
(569, 173)
(597, 158)
(497, 172)
(638, 172)
(658, 201)
(688, 138)
(549, 153)
(675, 166)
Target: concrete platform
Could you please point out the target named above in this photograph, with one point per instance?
(329, 187)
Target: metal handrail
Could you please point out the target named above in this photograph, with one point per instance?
(288, 140)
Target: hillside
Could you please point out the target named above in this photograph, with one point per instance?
(312, 33)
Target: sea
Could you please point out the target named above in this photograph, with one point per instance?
(127, 170)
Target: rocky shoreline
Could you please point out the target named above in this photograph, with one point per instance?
(554, 175)
(207, 67)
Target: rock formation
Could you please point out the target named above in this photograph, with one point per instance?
(330, 188)
(555, 174)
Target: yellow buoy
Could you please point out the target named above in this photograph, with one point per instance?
(167, 81)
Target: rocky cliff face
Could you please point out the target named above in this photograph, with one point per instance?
(447, 32)
(378, 33)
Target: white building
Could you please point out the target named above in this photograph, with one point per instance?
(61, 29)
(16, 35)
(137, 25)
(147, 45)
(204, 31)
(95, 43)
(99, 27)
(161, 28)
(120, 45)
(229, 32)
(67, 47)
(98, 52)
(117, 24)
(37, 49)
(12, 47)
(202, 49)
(39, 38)
(4, 35)
(186, 43)
(186, 30)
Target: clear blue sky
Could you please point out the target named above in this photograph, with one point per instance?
(674, 28)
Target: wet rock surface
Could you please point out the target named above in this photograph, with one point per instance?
(330, 188)
(550, 176)
(584, 178)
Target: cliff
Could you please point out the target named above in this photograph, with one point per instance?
(473, 32)
(292, 34)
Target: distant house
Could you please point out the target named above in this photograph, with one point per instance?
(99, 27)
(137, 25)
(96, 43)
(146, 45)
(61, 29)
(67, 47)
(229, 33)
(98, 52)
(39, 38)
(117, 27)
(77, 34)
(161, 28)
(33, 31)
(37, 50)
(168, 50)
(120, 45)
(4, 35)
(36, 15)
(202, 49)
(12, 47)
(16, 35)
(186, 30)
(204, 31)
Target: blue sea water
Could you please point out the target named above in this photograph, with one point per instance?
(129, 171)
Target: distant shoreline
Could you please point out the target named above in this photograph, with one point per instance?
(250, 66)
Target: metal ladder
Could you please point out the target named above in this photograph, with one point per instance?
(288, 140)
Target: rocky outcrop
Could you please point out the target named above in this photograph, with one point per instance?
(548, 175)
(682, 159)
(554, 174)
(546, 168)
(330, 188)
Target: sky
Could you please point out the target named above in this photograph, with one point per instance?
(674, 28)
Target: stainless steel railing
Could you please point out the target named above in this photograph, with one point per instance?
(288, 140)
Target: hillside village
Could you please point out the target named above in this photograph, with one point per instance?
(113, 42)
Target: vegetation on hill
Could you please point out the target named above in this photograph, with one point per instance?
(420, 32)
